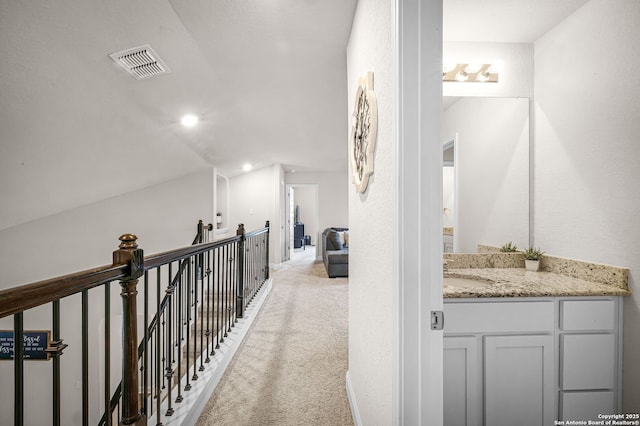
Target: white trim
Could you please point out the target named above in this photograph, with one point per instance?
(351, 396)
(190, 409)
(417, 390)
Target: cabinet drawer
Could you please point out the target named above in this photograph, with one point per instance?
(588, 361)
(586, 405)
(498, 317)
(578, 315)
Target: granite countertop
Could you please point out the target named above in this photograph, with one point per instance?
(518, 282)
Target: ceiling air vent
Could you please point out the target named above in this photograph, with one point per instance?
(141, 62)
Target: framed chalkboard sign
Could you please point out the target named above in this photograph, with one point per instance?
(35, 343)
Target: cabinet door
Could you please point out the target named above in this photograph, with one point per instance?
(588, 361)
(461, 387)
(519, 388)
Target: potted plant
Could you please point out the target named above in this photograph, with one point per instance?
(532, 258)
(509, 248)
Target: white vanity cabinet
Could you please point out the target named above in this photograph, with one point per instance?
(530, 361)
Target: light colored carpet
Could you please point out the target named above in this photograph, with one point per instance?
(290, 370)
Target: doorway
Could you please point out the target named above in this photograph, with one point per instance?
(301, 217)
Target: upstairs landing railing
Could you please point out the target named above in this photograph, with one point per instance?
(190, 300)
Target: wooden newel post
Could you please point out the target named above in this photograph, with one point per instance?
(240, 274)
(129, 252)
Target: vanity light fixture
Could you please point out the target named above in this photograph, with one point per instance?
(472, 73)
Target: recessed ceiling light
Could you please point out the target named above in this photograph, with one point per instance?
(189, 120)
(247, 167)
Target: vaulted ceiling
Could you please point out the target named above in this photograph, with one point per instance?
(267, 78)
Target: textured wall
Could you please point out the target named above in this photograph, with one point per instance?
(587, 155)
(371, 292)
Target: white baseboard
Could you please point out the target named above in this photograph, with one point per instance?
(276, 266)
(355, 413)
(188, 411)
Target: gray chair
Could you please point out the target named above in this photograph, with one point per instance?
(335, 254)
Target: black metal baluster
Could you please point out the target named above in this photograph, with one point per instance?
(218, 311)
(169, 342)
(209, 313)
(149, 352)
(266, 249)
(18, 361)
(196, 275)
(223, 323)
(188, 321)
(85, 357)
(107, 352)
(228, 290)
(233, 280)
(250, 284)
(157, 332)
(144, 367)
(202, 317)
(248, 266)
(225, 282)
(179, 336)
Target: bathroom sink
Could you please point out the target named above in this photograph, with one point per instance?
(465, 282)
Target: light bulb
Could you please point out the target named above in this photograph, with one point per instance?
(189, 120)
(247, 167)
(473, 68)
(483, 76)
(462, 76)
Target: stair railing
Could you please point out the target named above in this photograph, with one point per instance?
(191, 299)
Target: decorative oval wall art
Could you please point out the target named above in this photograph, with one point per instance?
(364, 132)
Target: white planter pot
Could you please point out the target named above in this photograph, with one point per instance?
(532, 265)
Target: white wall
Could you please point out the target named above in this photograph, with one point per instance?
(515, 80)
(492, 165)
(255, 198)
(587, 155)
(333, 196)
(163, 217)
(371, 268)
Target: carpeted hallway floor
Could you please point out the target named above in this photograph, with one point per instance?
(290, 370)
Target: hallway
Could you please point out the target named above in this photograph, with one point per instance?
(290, 370)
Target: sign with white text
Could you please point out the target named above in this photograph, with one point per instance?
(35, 343)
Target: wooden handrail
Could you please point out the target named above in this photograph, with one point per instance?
(21, 298)
(159, 259)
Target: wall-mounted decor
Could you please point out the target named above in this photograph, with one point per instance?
(36, 343)
(364, 132)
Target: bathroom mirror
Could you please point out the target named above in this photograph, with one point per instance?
(485, 172)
